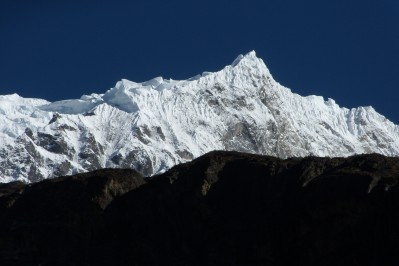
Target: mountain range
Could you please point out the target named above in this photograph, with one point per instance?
(154, 125)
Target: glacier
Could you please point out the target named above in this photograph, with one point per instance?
(152, 126)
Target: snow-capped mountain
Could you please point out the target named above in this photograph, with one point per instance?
(153, 125)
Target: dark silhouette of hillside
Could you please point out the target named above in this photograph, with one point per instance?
(224, 208)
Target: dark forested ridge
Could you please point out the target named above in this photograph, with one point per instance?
(224, 208)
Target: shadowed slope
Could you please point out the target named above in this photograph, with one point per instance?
(58, 220)
(224, 208)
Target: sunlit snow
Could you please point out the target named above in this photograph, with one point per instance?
(153, 125)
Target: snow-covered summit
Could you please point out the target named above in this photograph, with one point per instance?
(153, 125)
(125, 93)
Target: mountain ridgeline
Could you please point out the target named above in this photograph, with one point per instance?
(154, 125)
(224, 208)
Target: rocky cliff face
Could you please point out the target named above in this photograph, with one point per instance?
(154, 125)
(224, 208)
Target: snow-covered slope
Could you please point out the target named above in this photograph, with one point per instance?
(154, 125)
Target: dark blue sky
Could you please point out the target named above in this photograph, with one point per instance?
(342, 49)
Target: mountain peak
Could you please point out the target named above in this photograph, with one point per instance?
(251, 56)
(151, 126)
